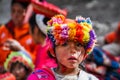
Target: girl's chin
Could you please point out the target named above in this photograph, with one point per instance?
(72, 66)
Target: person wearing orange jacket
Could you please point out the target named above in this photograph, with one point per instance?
(16, 29)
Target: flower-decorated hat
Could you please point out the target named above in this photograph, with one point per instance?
(21, 57)
(61, 30)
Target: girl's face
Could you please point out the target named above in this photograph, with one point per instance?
(70, 54)
(17, 14)
(19, 71)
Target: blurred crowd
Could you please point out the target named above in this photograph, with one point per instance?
(24, 46)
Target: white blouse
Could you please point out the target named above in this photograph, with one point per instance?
(82, 76)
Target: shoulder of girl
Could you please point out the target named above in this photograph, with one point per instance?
(88, 76)
(41, 75)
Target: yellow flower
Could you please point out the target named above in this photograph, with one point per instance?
(86, 26)
(71, 33)
(71, 25)
(86, 36)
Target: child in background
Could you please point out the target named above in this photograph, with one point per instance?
(38, 25)
(70, 41)
(19, 64)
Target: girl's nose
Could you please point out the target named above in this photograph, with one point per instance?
(72, 48)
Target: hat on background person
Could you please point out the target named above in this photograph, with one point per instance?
(47, 9)
(21, 57)
(41, 21)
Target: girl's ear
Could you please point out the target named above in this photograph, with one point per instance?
(50, 49)
(52, 52)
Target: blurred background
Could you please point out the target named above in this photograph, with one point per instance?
(105, 14)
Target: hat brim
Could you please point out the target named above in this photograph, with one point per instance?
(47, 9)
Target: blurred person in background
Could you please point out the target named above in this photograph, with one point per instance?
(105, 58)
(100, 64)
(19, 64)
(113, 42)
(38, 31)
(18, 29)
(110, 43)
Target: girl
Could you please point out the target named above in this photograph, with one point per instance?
(70, 42)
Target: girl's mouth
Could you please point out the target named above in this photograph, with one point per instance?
(72, 59)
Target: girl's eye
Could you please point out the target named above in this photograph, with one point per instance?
(65, 44)
(78, 44)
